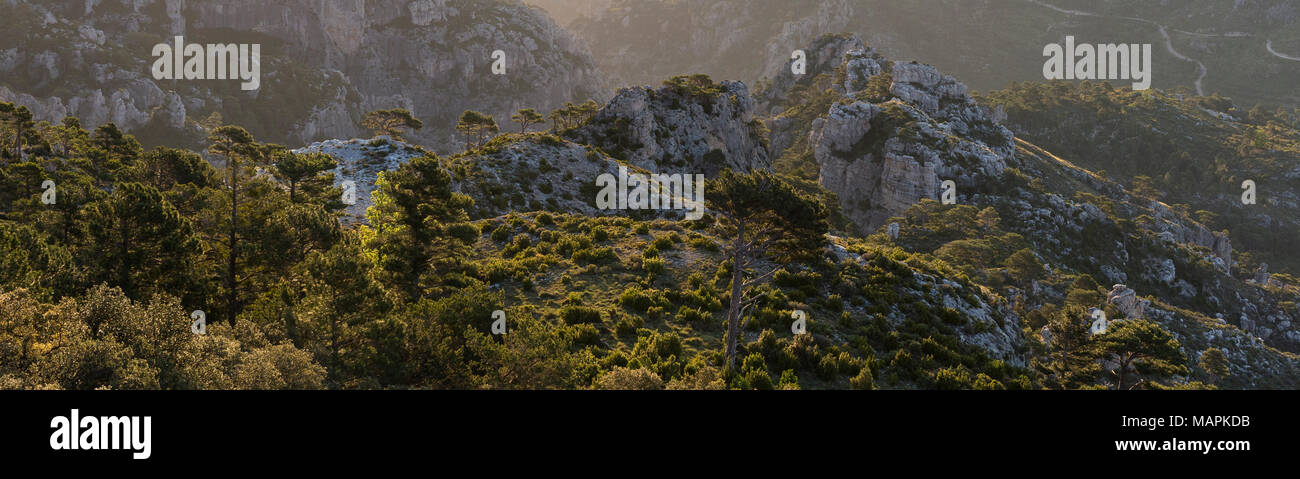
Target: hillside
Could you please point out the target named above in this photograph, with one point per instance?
(324, 67)
(869, 224)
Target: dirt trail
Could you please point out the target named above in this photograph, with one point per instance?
(1164, 32)
(1269, 46)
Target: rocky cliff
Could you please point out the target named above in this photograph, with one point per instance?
(894, 131)
(689, 124)
(324, 63)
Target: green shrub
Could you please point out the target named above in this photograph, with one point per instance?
(655, 266)
(638, 299)
(691, 315)
(863, 381)
(501, 234)
(630, 379)
(595, 255)
(665, 243)
(580, 314)
(789, 380)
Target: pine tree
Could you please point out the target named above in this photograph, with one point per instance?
(1071, 359)
(15, 124)
(1143, 347)
(341, 297)
(298, 167)
(1214, 362)
(476, 127)
(140, 243)
(391, 122)
(236, 145)
(526, 117)
(421, 224)
(762, 217)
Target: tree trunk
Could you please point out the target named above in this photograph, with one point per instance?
(334, 330)
(231, 296)
(123, 269)
(733, 309)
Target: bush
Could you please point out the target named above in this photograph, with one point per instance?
(595, 255)
(580, 315)
(863, 381)
(666, 242)
(623, 379)
(638, 299)
(628, 325)
(585, 335)
(789, 380)
(501, 234)
(691, 315)
(655, 266)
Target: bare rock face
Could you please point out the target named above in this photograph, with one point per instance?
(882, 155)
(684, 126)
(1175, 229)
(1127, 301)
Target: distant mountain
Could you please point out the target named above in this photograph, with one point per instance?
(325, 64)
(1244, 50)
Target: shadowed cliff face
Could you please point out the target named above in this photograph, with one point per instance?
(325, 63)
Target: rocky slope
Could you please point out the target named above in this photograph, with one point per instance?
(683, 127)
(324, 64)
(883, 135)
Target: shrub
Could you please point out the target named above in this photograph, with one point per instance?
(789, 381)
(638, 299)
(654, 266)
(628, 325)
(704, 244)
(828, 368)
(595, 255)
(501, 234)
(621, 378)
(691, 315)
(666, 242)
(585, 335)
(580, 314)
(863, 381)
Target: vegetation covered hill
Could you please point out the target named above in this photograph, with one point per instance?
(794, 277)
(1192, 153)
